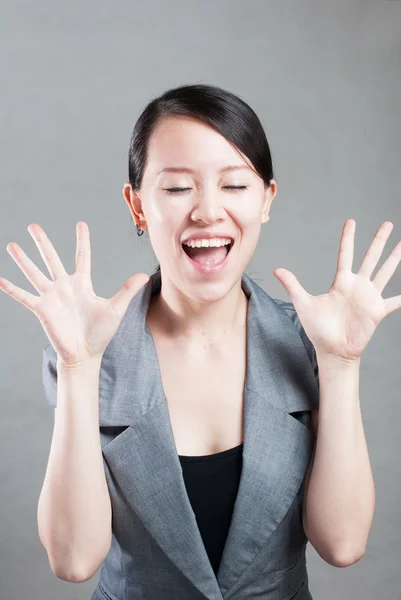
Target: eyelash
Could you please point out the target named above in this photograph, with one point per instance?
(177, 190)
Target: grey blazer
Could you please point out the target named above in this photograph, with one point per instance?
(157, 552)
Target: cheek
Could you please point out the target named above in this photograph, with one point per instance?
(248, 220)
(250, 228)
(162, 219)
(168, 212)
(164, 235)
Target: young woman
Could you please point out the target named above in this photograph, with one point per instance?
(204, 431)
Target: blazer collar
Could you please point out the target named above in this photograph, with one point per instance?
(276, 452)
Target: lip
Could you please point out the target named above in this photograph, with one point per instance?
(209, 269)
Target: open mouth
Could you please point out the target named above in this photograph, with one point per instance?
(209, 260)
(208, 255)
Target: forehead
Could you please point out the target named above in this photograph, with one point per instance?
(185, 141)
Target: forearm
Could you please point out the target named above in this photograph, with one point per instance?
(341, 495)
(74, 512)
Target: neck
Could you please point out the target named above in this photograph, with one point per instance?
(181, 318)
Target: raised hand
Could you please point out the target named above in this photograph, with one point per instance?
(343, 321)
(78, 323)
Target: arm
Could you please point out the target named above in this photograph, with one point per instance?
(74, 509)
(339, 496)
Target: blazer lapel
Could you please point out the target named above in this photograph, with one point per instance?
(277, 447)
(144, 460)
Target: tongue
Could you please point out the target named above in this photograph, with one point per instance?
(207, 256)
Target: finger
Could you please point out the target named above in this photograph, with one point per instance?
(375, 249)
(25, 298)
(122, 299)
(346, 250)
(47, 251)
(34, 275)
(291, 284)
(387, 270)
(83, 253)
(392, 304)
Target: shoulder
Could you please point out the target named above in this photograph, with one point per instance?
(289, 309)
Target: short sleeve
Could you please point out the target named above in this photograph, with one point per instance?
(49, 374)
(292, 313)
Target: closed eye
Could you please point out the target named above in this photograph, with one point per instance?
(235, 187)
(177, 190)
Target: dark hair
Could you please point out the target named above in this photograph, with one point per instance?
(227, 113)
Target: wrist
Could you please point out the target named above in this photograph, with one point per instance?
(336, 361)
(81, 365)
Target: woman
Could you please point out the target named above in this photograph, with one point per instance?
(188, 457)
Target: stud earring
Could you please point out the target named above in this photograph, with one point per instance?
(139, 231)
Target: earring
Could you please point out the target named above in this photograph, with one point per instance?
(139, 231)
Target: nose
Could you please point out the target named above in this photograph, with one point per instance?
(208, 207)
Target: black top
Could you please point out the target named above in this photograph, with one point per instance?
(212, 483)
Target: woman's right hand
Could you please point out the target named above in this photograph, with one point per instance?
(78, 323)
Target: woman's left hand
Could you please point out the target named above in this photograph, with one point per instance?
(342, 322)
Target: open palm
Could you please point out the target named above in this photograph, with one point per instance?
(78, 323)
(342, 321)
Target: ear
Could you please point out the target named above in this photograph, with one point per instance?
(134, 202)
(269, 194)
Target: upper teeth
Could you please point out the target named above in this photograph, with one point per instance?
(208, 242)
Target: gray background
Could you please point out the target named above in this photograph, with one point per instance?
(325, 80)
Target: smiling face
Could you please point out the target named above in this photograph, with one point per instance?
(205, 204)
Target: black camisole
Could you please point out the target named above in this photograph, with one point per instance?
(212, 484)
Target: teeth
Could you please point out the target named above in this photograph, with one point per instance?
(208, 242)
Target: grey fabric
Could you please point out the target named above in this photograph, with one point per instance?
(157, 552)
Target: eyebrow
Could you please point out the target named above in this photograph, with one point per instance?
(187, 170)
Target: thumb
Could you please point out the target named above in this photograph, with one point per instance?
(123, 297)
(291, 283)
